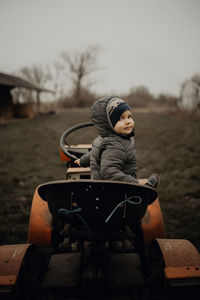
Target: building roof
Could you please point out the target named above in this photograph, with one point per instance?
(14, 81)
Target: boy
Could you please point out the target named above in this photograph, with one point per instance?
(113, 153)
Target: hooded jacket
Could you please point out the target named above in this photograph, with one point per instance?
(113, 155)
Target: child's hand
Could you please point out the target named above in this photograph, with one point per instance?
(77, 162)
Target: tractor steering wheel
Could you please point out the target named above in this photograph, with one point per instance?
(63, 141)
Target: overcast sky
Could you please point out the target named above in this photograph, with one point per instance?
(155, 43)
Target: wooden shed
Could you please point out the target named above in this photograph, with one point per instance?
(7, 83)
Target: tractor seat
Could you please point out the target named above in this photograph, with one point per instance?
(97, 205)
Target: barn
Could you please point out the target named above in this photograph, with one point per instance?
(7, 83)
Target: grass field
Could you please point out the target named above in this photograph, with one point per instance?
(29, 156)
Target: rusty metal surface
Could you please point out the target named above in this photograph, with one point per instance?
(182, 260)
(182, 272)
(64, 157)
(78, 173)
(40, 222)
(11, 257)
(80, 170)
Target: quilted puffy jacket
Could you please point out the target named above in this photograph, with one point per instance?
(112, 156)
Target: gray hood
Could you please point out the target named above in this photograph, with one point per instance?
(99, 117)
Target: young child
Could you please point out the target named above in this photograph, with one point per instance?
(113, 152)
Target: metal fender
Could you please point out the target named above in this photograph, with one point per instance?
(174, 269)
(152, 222)
(182, 260)
(181, 268)
(40, 222)
(11, 257)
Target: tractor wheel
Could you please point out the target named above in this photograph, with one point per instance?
(155, 281)
(33, 268)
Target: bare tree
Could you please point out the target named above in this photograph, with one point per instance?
(196, 78)
(57, 78)
(80, 65)
(38, 75)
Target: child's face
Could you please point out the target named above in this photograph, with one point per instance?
(126, 124)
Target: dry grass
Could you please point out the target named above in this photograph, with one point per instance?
(167, 145)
